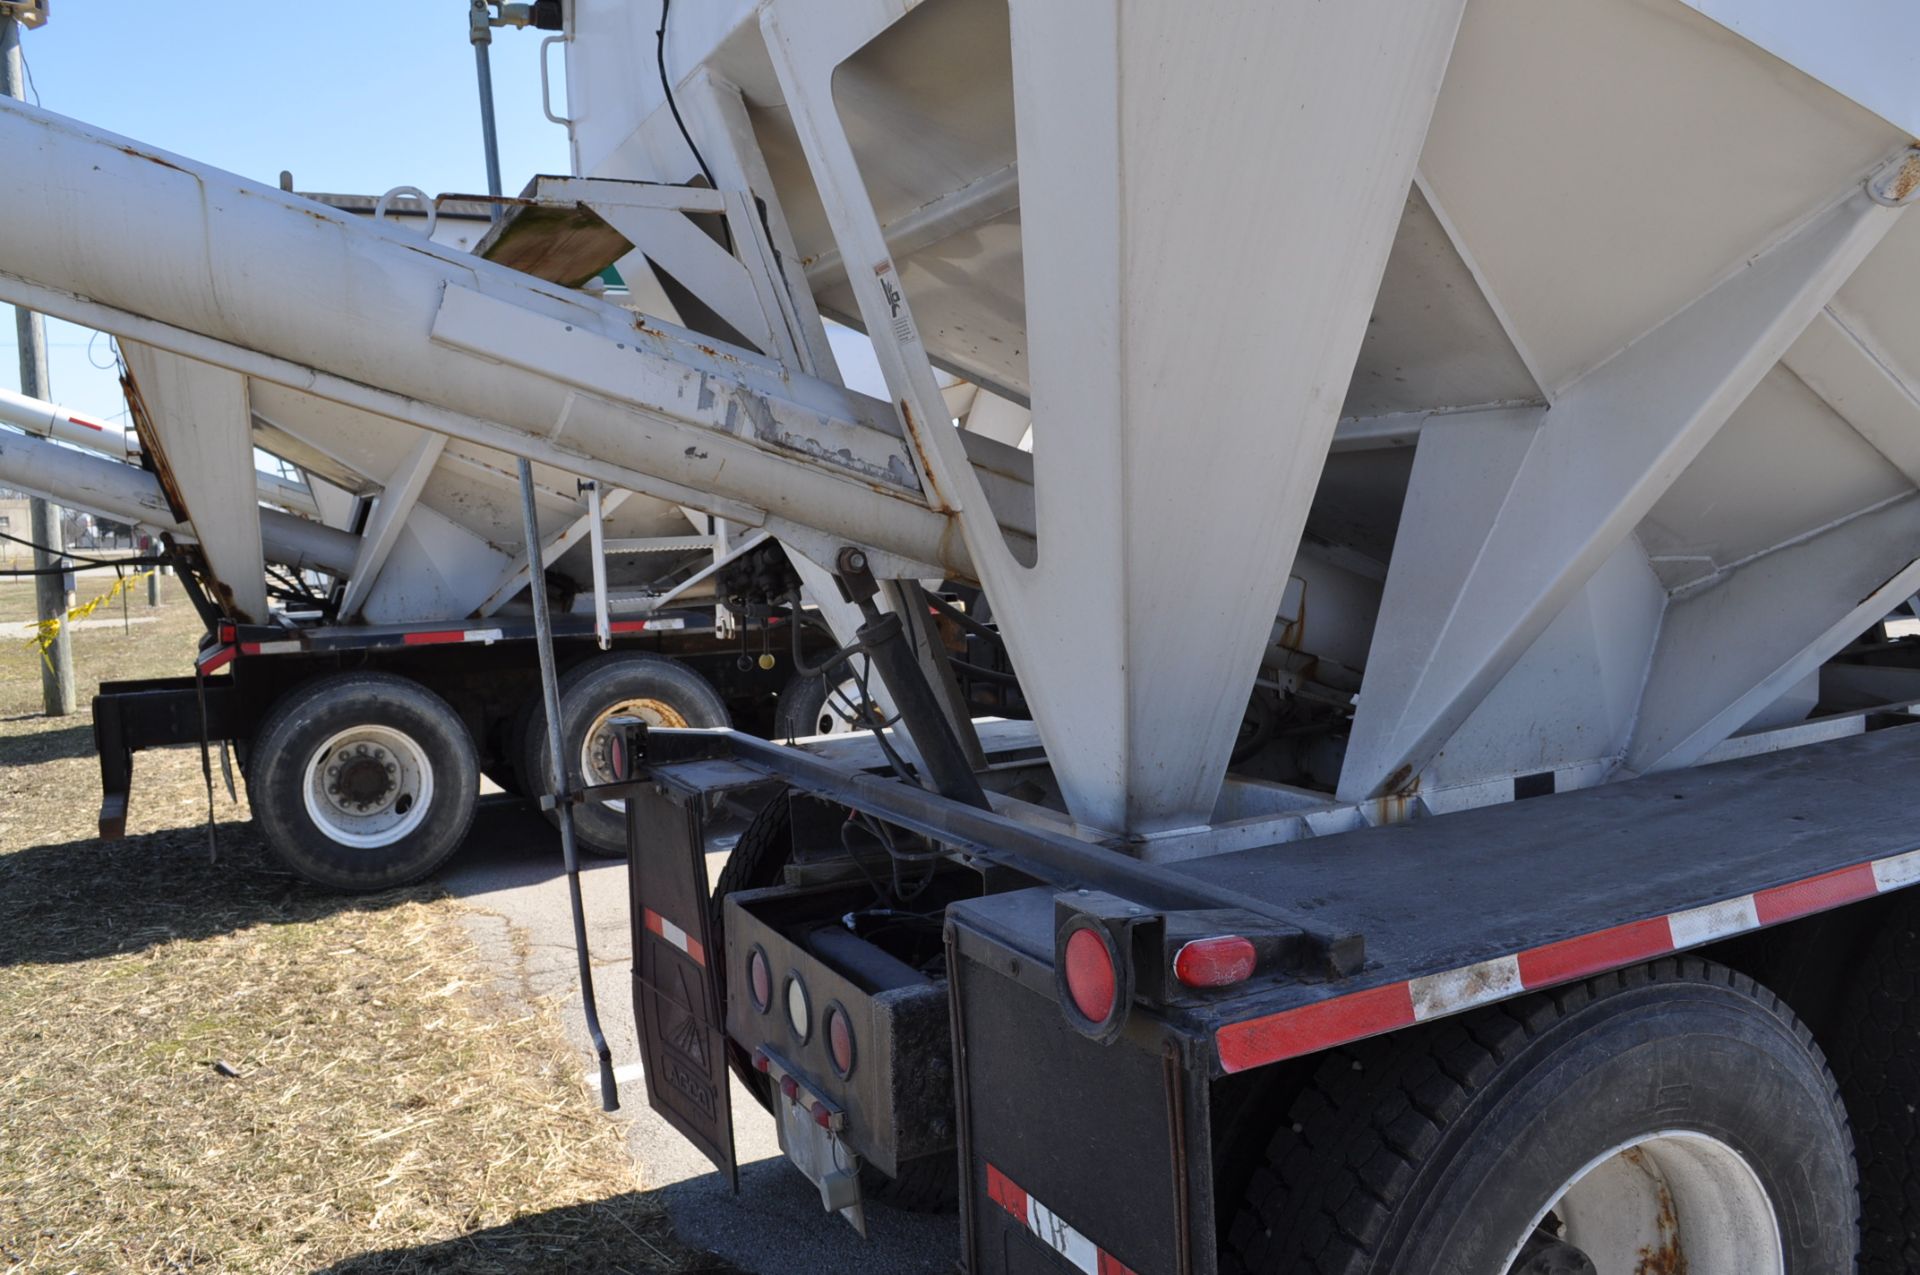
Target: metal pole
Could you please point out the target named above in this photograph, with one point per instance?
(562, 783)
(597, 550)
(481, 33)
(56, 669)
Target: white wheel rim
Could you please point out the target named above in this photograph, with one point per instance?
(368, 786)
(1668, 1201)
(841, 711)
(596, 749)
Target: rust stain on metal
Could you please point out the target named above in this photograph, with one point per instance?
(1877, 589)
(137, 153)
(1907, 180)
(936, 499)
(150, 450)
(1396, 800)
(1665, 1256)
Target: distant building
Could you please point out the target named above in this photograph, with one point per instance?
(14, 518)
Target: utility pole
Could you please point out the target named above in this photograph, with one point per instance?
(56, 670)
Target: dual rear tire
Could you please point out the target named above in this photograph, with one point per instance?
(1664, 1118)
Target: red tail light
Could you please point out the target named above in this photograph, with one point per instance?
(1090, 975)
(790, 1087)
(840, 1040)
(1217, 962)
(759, 980)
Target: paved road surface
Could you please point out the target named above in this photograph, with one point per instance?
(511, 868)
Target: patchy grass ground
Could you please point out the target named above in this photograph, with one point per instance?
(221, 1069)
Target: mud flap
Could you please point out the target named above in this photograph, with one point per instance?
(676, 992)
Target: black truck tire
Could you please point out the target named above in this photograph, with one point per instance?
(363, 781)
(757, 861)
(1876, 1055)
(819, 704)
(1437, 1150)
(659, 690)
(796, 714)
(930, 1184)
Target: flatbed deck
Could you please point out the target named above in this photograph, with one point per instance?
(1466, 909)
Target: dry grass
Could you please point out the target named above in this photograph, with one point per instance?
(221, 1069)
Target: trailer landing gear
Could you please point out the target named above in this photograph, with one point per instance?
(1669, 1117)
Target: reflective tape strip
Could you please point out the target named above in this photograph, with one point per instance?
(1721, 920)
(447, 637)
(215, 659)
(1438, 995)
(270, 648)
(86, 422)
(675, 935)
(1050, 1229)
(1592, 953)
(1816, 894)
(638, 626)
(1308, 1029)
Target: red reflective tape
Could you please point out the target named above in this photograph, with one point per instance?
(1815, 894)
(1594, 953)
(249, 648)
(433, 639)
(219, 659)
(1002, 1191)
(85, 423)
(626, 626)
(678, 937)
(1111, 1265)
(1293, 1032)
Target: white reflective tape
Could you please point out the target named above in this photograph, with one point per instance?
(278, 648)
(666, 624)
(489, 636)
(1455, 990)
(1061, 1238)
(673, 934)
(1715, 921)
(1900, 870)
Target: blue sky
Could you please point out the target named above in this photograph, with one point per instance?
(352, 98)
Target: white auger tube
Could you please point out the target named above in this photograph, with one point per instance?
(114, 490)
(50, 420)
(104, 232)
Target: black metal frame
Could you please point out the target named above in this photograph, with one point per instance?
(154, 713)
(1038, 1092)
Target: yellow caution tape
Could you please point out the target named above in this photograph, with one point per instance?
(46, 632)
